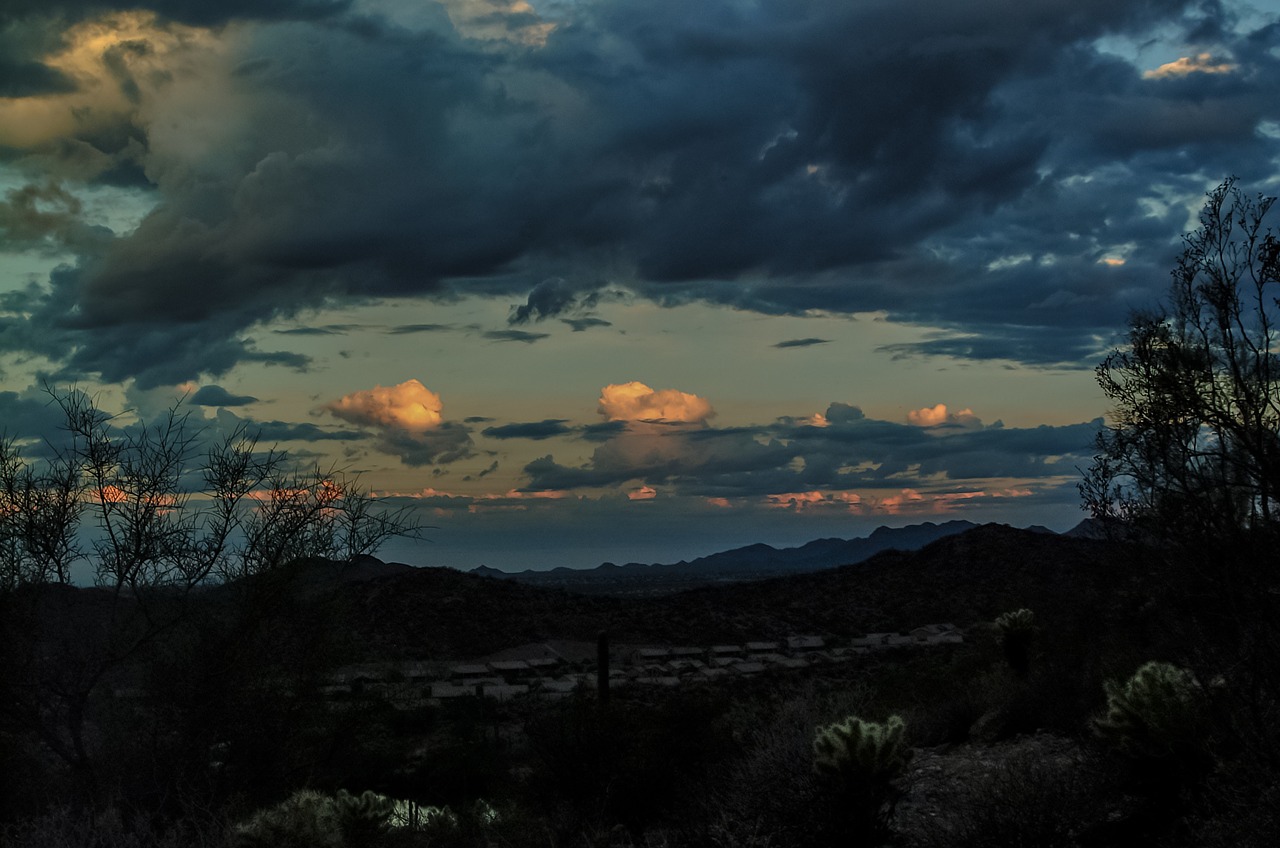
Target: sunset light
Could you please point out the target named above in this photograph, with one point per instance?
(680, 275)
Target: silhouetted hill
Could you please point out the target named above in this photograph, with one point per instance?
(391, 610)
(963, 579)
(752, 562)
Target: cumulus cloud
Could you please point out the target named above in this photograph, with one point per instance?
(409, 421)
(938, 415)
(409, 406)
(635, 401)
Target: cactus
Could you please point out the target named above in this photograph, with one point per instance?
(309, 819)
(1158, 721)
(1017, 630)
(857, 761)
(306, 819)
(363, 817)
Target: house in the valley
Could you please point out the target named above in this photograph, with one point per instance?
(805, 644)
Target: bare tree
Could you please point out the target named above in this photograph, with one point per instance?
(154, 514)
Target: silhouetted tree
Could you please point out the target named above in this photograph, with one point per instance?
(154, 515)
(1193, 451)
(1191, 461)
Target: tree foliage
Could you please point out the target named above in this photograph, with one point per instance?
(1193, 450)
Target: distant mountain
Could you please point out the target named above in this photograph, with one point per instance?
(1075, 586)
(753, 562)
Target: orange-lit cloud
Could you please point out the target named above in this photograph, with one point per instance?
(499, 20)
(932, 416)
(1113, 261)
(410, 407)
(1201, 63)
(644, 493)
(117, 63)
(899, 503)
(635, 401)
(112, 494)
(807, 500)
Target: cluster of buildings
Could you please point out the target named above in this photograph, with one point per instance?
(556, 669)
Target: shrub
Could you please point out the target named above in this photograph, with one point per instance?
(306, 819)
(1040, 791)
(310, 819)
(363, 817)
(1017, 631)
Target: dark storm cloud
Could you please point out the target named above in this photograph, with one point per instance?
(283, 431)
(326, 330)
(33, 414)
(850, 452)
(778, 156)
(194, 12)
(24, 79)
(515, 336)
(444, 444)
(218, 396)
(536, 430)
(582, 324)
(810, 342)
(407, 329)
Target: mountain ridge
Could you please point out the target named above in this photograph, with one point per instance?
(750, 562)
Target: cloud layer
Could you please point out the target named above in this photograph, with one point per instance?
(964, 165)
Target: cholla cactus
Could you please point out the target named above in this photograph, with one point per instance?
(306, 819)
(857, 761)
(1018, 621)
(310, 819)
(855, 751)
(1017, 630)
(1159, 721)
(363, 816)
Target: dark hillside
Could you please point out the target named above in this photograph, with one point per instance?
(963, 579)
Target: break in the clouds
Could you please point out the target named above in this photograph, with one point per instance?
(408, 419)
(967, 166)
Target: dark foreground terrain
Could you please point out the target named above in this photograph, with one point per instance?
(438, 689)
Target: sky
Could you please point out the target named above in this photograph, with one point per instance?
(603, 280)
